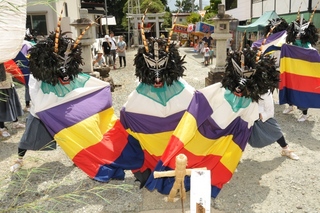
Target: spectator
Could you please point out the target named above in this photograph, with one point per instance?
(206, 54)
(106, 45)
(99, 59)
(207, 39)
(10, 106)
(113, 49)
(229, 44)
(211, 53)
(122, 46)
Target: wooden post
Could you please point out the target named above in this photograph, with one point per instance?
(179, 173)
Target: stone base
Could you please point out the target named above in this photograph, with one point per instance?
(93, 74)
(215, 75)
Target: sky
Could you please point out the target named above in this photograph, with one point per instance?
(171, 3)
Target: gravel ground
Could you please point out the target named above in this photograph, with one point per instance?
(264, 181)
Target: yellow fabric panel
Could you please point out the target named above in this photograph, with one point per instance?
(300, 67)
(186, 134)
(223, 146)
(155, 144)
(86, 133)
(231, 157)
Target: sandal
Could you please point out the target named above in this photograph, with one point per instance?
(290, 154)
(4, 132)
(17, 165)
(17, 125)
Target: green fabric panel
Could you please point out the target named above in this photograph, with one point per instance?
(62, 90)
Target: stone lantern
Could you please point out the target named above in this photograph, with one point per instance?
(221, 34)
(86, 41)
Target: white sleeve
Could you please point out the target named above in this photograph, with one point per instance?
(34, 87)
(268, 107)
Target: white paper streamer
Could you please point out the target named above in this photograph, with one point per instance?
(12, 27)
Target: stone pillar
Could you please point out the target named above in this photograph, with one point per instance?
(135, 31)
(87, 40)
(157, 27)
(221, 34)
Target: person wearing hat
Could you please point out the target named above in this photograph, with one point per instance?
(106, 45)
(99, 59)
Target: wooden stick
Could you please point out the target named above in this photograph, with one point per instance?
(172, 28)
(81, 35)
(142, 30)
(311, 17)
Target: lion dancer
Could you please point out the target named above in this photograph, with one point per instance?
(156, 106)
(217, 124)
(297, 86)
(75, 110)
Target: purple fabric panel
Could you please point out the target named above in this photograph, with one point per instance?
(238, 128)
(292, 51)
(199, 108)
(271, 38)
(149, 124)
(25, 48)
(72, 112)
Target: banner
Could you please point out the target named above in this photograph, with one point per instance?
(180, 28)
(204, 28)
(191, 28)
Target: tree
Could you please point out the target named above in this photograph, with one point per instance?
(185, 5)
(193, 18)
(154, 6)
(167, 23)
(164, 2)
(214, 6)
(208, 16)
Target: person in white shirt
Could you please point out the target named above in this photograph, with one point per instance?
(266, 130)
(206, 54)
(113, 50)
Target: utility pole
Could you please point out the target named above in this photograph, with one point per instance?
(106, 14)
(200, 4)
(192, 8)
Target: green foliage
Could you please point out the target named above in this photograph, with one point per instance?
(154, 6)
(193, 18)
(167, 20)
(213, 8)
(164, 2)
(208, 16)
